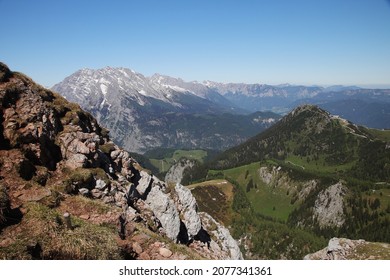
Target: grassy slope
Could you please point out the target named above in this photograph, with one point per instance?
(266, 200)
(215, 197)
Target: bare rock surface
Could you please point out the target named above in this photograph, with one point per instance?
(328, 207)
(189, 210)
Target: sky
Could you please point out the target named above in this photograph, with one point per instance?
(306, 42)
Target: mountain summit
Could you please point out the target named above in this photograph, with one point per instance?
(144, 113)
(311, 135)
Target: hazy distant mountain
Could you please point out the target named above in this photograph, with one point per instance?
(368, 107)
(261, 97)
(143, 113)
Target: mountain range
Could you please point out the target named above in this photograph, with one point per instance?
(143, 113)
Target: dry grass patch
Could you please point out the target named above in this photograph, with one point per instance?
(43, 229)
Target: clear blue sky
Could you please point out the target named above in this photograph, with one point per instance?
(306, 42)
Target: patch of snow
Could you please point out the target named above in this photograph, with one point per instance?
(103, 88)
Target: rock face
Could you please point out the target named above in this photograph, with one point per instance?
(224, 243)
(189, 210)
(175, 173)
(328, 207)
(165, 211)
(51, 151)
(344, 249)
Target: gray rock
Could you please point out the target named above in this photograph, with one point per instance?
(76, 160)
(84, 191)
(100, 184)
(175, 173)
(228, 247)
(165, 210)
(188, 208)
(334, 245)
(328, 207)
(96, 193)
(108, 199)
(144, 183)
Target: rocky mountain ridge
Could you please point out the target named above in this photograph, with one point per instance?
(134, 107)
(56, 159)
(143, 113)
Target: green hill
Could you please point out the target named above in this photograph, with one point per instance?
(311, 176)
(315, 141)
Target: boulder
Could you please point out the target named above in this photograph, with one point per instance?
(344, 249)
(166, 253)
(84, 191)
(144, 183)
(100, 184)
(188, 208)
(137, 248)
(96, 193)
(165, 211)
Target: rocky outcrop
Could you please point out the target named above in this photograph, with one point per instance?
(346, 249)
(329, 206)
(176, 172)
(221, 243)
(165, 211)
(189, 210)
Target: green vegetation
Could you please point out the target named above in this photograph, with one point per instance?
(317, 143)
(380, 134)
(273, 197)
(163, 159)
(269, 238)
(268, 200)
(266, 237)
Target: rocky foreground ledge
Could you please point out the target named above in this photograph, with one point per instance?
(346, 249)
